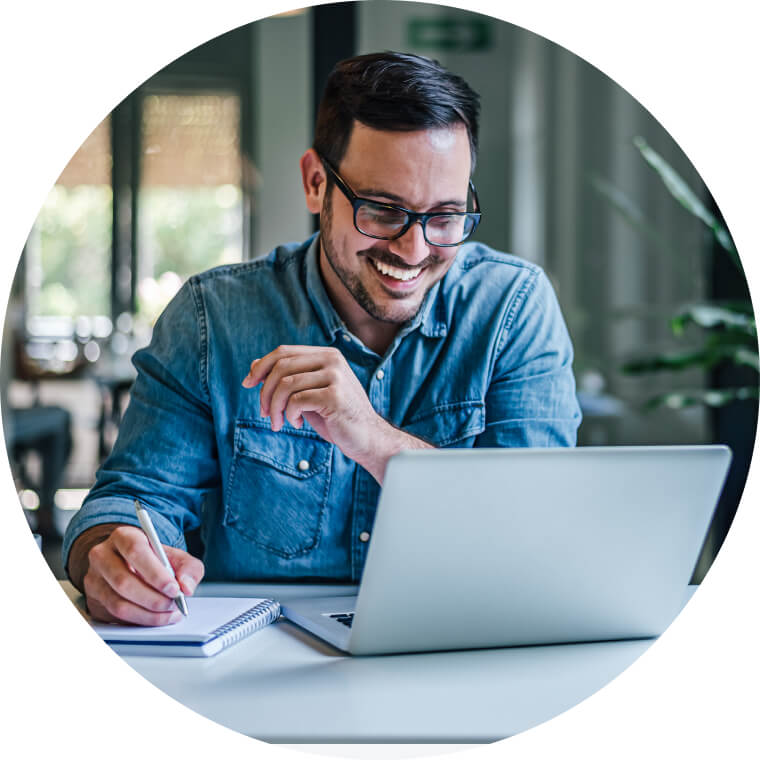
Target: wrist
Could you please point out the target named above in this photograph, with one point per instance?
(387, 440)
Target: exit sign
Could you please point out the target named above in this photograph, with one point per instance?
(450, 34)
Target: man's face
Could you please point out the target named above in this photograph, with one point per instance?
(423, 171)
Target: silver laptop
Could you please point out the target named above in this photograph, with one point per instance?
(503, 547)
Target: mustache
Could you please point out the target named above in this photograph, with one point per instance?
(385, 257)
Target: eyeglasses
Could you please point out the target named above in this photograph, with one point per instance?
(385, 221)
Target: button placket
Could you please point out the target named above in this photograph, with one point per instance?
(379, 390)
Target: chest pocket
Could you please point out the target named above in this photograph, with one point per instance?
(456, 424)
(278, 486)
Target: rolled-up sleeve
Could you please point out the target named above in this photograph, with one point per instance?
(531, 398)
(165, 454)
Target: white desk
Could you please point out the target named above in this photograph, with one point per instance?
(284, 685)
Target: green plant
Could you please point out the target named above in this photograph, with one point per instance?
(729, 328)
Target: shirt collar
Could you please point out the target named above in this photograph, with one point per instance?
(430, 318)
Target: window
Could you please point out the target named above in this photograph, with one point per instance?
(190, 199)
(155, 194)
(68, 254)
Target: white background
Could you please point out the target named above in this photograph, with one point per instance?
(693, 65)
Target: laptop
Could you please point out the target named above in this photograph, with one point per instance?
(475, 548)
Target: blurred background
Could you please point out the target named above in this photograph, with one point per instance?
(199, 167)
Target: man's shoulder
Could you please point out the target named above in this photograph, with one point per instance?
(485, 284)
(481, 261)
(482, 271)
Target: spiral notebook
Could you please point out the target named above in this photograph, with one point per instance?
(213, 624)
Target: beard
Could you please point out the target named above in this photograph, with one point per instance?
(353, 283)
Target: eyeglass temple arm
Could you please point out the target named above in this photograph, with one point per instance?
(475, 197)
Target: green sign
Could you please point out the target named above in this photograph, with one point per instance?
(450, 34)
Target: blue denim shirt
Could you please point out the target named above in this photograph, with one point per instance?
(485, 362)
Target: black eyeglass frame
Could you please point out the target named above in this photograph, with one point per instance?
(412, 216)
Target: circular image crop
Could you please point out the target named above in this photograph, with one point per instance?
(377, 373)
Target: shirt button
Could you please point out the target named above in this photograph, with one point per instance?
(380, 374)
(364, 536)
(347, 337)
(303, 465)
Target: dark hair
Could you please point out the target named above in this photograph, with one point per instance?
(396, 92)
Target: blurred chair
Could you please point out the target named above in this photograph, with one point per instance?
(45, 430)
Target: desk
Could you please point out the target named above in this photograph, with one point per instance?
(283, 685)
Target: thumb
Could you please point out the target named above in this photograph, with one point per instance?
(189, 570)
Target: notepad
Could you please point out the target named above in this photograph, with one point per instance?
(213, 624)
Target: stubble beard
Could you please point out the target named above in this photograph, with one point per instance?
(353, 283)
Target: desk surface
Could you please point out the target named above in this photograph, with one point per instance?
(283, 685)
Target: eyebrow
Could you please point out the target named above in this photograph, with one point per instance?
(398, 200)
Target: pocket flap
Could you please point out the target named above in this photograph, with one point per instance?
(448, 424)
(300, 453)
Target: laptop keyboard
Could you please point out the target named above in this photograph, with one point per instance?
(343, 617)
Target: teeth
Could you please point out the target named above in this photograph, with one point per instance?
(397, 274)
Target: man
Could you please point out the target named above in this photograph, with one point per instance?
(382, 333)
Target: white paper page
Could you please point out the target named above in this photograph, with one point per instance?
(206, 613)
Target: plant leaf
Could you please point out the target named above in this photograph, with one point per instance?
(747, 358)
(704, 358)
(711, 315)
(671, 362)
(709, 397)
(687, 197)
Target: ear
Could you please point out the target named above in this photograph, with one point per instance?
(314, 180)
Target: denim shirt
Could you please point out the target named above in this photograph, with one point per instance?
(485, 362)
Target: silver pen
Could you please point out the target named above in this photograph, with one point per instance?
(150, 532)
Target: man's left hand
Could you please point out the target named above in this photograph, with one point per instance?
(316, 384)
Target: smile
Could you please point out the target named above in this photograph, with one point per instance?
(395, 272)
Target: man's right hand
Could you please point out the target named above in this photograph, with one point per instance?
(124, 580)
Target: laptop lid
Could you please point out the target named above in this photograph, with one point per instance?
(499, 547)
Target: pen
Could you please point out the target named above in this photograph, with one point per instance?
(150, 532)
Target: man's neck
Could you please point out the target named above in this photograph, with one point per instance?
(373, 333)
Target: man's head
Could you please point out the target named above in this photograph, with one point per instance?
(398, 130)
(393, 92)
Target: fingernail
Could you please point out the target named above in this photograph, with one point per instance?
(171, 590)
(248, 381)
(189, 583)
(175, 617)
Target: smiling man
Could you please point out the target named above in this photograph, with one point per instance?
(384, 332)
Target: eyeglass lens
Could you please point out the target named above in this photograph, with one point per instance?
(383, 222)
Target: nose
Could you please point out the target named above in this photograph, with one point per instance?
(411, 246)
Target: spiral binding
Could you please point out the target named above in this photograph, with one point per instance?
(249, 621)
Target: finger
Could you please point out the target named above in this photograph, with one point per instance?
(312, 400)
(107, 605)
(247, 380)
(188, 569)
(98, 611)
(261, 367)
(132, 544)
(293, 384)
(289, 365)
(108, 565)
